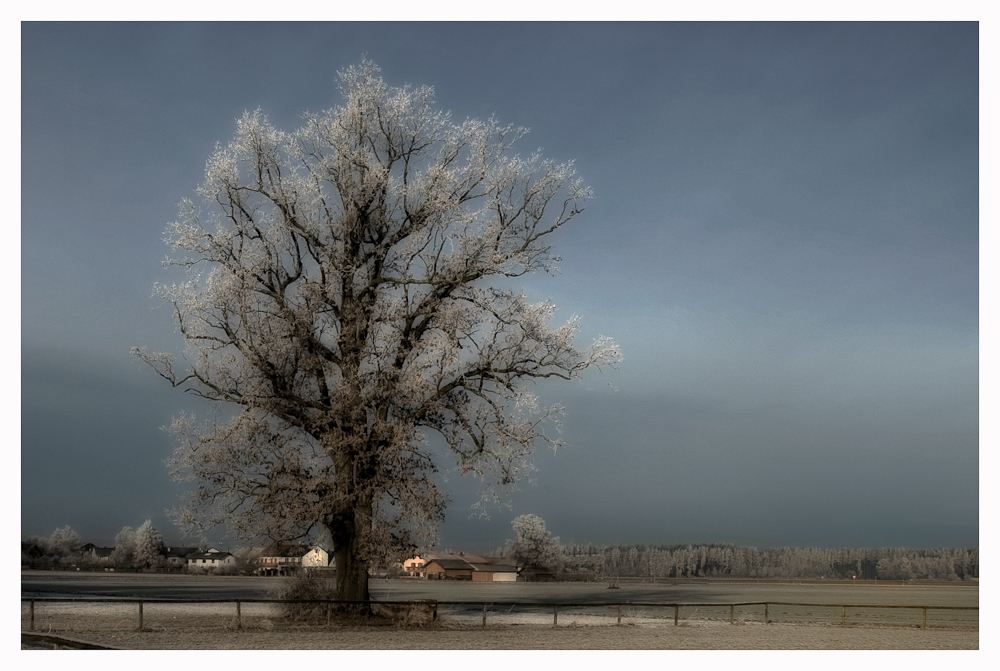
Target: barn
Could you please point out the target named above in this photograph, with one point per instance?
(469, 567)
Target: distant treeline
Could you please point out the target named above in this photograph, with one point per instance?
(731, 561)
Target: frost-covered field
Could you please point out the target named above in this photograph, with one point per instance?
(214, 626)
(700, 626)
(180, 627)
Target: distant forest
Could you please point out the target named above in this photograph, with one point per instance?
(731, 561)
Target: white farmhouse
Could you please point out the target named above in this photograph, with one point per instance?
(209, 559)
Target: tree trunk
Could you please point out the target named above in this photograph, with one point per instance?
(349, 531)
(352, 573)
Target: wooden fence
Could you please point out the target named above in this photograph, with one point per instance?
(767, 616)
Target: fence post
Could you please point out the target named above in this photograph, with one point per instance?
(619, 615)
(555, 615)
(32, 615)
(485, 605)
(766, 621)
(676, 608)
(140, 616)
(843, 616)
(239, 615)
(925, 618)
(730, 613)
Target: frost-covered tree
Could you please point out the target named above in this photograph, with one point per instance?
(148, 545)
(533, 544)
(124, 553)
(580, 562)
(350, 295)
(63, 541)
(247, 559)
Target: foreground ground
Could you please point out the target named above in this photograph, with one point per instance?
(189, 627)
(695, 636)
(704, 626)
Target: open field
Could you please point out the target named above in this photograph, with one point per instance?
(144, 585)
(718, 591)
(702, 625)
(184, 586)
(267, 635)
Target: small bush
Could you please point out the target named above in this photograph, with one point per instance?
(417, 612)
(306, 586)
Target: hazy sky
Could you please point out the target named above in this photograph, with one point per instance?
(783, 240)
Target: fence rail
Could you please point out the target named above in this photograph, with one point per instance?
(769, 614)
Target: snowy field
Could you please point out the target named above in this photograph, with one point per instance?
(704, 624)
(186, 627)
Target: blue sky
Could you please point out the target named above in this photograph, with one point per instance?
(784, 240)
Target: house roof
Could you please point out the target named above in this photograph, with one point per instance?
(495, 568)
(94, 550)
(178, 552)
(470, 559)
(481, 566)
(32, 549)
(453, 564)
(211, 554)
(287, 550)
(473, 559)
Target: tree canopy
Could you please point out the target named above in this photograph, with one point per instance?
(349, 293)
(148, 545)
(533, 544)
(64, 540)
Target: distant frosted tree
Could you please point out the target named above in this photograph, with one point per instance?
(350, 293)
(148, 545)
(580, 562)
(247, 559)
(630, 561)
(613, 564)
(533, 544)
(63, 541)
(124, 553)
